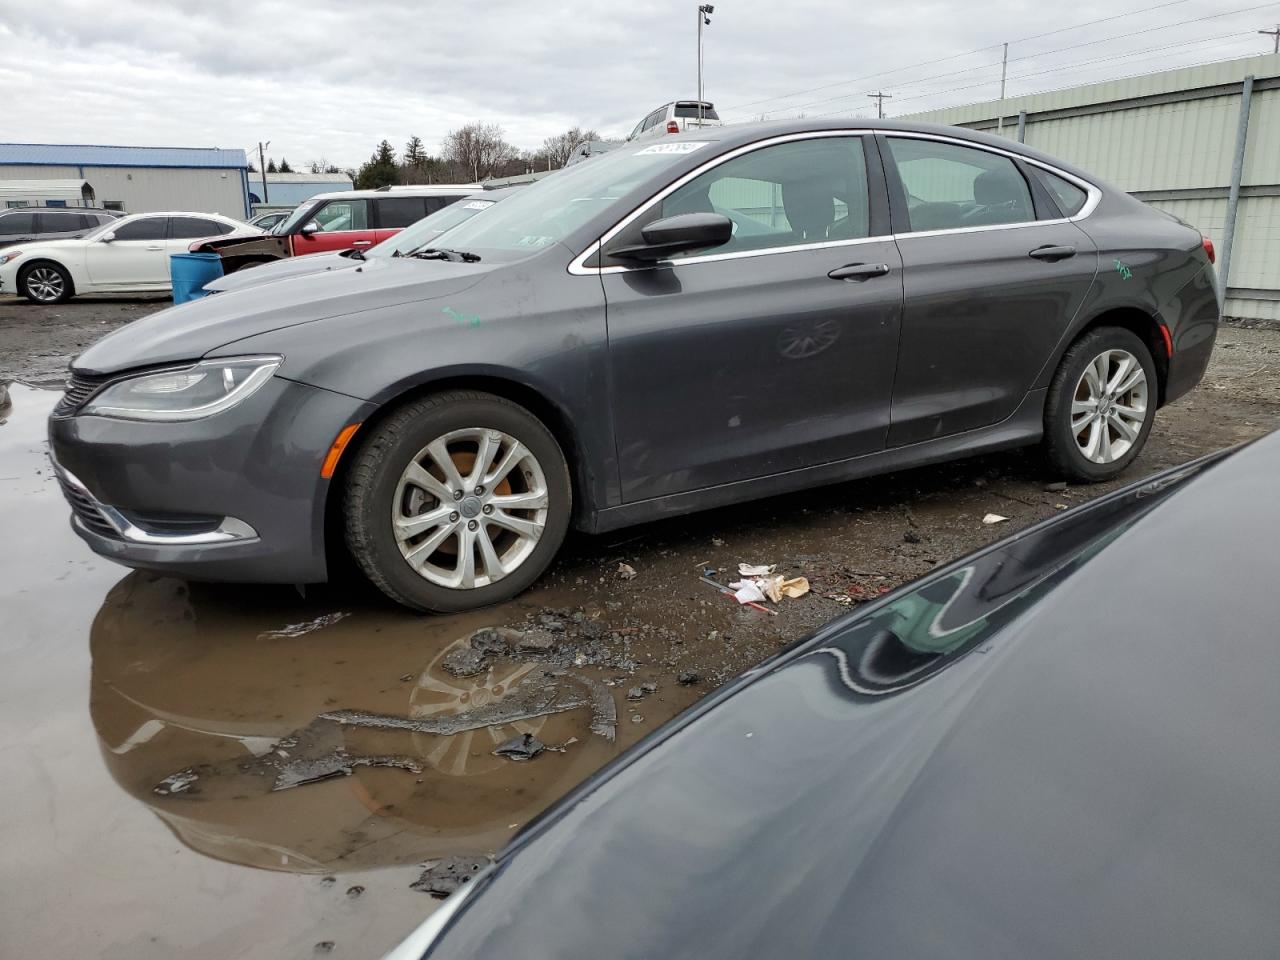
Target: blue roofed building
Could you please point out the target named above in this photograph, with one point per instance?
(137, 179)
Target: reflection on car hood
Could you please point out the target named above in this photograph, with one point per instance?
(191, 330)
(280, 269)
(1063, 744)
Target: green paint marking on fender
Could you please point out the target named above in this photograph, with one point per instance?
(1122, 268)
(471, 320)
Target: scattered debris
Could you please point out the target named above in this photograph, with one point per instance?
(911, 537)
(537, 640)
(355, 891)
(441, 877)
(307, 626)
(304, 770)
(991, 518)
(626, 571)
(635, 693)
(490, 642)
(688, 678)
(755, 569)
(750, 603)
(1056, 487)
(179, 782)
(636, 718)
(324, 946)
(524, 747)
(466, 662)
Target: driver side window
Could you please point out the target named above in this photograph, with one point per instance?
(949, 186)
(802, 192)
(343, 215)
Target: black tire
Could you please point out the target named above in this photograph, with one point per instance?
(1061, 448)
(369, 496)
(25, 280)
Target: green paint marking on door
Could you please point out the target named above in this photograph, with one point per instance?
(1122, 268)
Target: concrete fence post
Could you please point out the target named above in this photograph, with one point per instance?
(1022, 126)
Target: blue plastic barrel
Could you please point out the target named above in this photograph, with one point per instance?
(190, 272)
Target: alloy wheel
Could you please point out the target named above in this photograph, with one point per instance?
(46, 284)
(1109, 406)
(469, 508)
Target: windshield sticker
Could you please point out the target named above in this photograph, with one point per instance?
(478, 204)
(684, 146)
(470, 320)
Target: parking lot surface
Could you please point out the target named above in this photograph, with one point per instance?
(280, 752)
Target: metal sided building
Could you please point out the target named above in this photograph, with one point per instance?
(1202, 143)
(139, 179)
(290, 189)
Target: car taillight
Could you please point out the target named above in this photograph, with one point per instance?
(1208, 249)
(673, 127)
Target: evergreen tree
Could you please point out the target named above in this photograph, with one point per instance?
(271, 166)
(284, 166)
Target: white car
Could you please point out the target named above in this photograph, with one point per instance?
(678, 116)
(129, 255)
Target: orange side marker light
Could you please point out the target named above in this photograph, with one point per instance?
(1168, 341)
(335, 451)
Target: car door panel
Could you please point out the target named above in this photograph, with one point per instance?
(735, 369)
(984, 306)
(130, 263)
(344, 225)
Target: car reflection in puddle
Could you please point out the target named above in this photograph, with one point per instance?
(315, 746)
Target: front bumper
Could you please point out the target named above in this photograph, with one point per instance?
(253, 471)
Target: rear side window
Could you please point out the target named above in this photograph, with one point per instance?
(806, 191)
(1067, 195)
(54, 222)
(652, 119)
(397, 212)
(150, 228)
(950, 187)
(189, 228)
(691, 110)
(18, 223)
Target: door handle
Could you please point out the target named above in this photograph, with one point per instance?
(1052, 253)
(155, 248)
(362, 243)
(857, 272)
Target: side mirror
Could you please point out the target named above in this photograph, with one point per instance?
(310, 228)
(108, 237)
(672, 235)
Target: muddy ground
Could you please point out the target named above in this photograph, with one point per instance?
(184, 773)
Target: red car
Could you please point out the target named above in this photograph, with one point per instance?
(336, 221)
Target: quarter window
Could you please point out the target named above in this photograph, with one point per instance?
(1067, 195)
(53, 222)
(148, 228)
(342, 215)
(949, 186)
(805, 191)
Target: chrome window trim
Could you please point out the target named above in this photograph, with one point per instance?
(578, 268)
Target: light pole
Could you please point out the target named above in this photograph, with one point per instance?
(262, 165)
(705, 10)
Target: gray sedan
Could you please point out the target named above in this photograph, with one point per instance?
(720, 316)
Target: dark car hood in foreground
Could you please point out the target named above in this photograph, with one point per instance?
(282, 269)
(1064, 746)
(191, 330)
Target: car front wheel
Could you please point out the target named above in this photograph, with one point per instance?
(1101, 405)
(45, 282)
(456, 501)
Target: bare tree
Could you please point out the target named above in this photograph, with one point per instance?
(477, 148)
(558, 149)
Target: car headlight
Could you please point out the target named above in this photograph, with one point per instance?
(190, 393)
(7, 256)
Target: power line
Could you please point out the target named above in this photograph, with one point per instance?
(1045, 53)
(954, 56)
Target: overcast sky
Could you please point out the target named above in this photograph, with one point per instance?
(330, 78)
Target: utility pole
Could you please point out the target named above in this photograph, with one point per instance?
(880, 97)
(705, 10)
(1276, 34)
(262, 165)
(1004, 68)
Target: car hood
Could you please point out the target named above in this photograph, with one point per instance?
(191, 330)
(1012, 757)
(44, 246)
(280, 270)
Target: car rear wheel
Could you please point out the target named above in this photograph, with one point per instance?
(45, 282)
(1101, 405)
(456, 501)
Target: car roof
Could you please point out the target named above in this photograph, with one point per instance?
(428, 190)
(45, 206)
(1075, 755)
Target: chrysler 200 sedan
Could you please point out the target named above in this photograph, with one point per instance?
(720, 316)
(1032, 752)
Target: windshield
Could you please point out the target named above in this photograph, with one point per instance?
(422, 232)
(107, 227)
(549, 210)
(294, 219)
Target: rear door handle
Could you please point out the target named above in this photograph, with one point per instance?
(362, 243)
(1052, 253)
(857, 272)
(155, 248)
